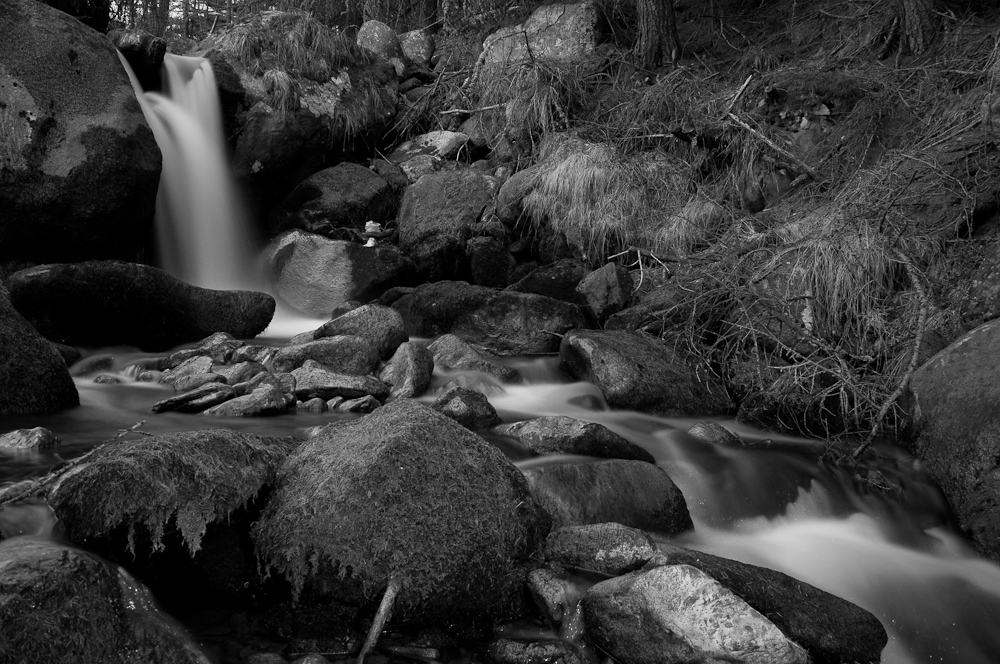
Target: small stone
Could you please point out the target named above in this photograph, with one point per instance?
(108, 379)
(365, 404)
(38, 438)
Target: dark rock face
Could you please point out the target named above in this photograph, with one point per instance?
(506, 322)
(79, 168)
(315, 274)
(101, 303)
(831, 629)
(632, 493)
(557, 280)
(59, 604)
(436, 217)
(638, 372)
(33, 376)
(144, 54)
(342, 197)
(957, 416)
(95, 14)
(404, 493)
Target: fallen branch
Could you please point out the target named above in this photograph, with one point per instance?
(381, 617)
(911, 271)
(469, 111)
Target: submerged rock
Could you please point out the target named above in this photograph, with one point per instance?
(102, 303)
(677, 613)
(61, 605)
(33, 376)
(632, 493)
(404, 493)
(638, 372)
(79, 167)
(506, 322)
(559, 434)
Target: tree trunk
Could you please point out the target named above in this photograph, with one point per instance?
(658, 38)
(912, 28)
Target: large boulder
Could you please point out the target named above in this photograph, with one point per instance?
(172, 507)
(404, 494)
(79, 168)
(506, 322)
(436, 218)
(677, 613)
(337, 202)
(315, 274)
(956, 400)
(61, 605)
(638, 372)
(560, 32)
(33, 376)
(103, 303)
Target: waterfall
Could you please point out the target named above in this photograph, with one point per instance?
(201, 227)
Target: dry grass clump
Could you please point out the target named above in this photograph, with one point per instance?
(190, 479)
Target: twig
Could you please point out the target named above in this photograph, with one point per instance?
(459, 111)
(914, 357)
(774, 146)
(384, 611)
(736, 97)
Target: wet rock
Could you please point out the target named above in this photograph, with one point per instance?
(315, 274)
(33, 376)
(506, 322)
(451, 353)
(62, 604)
(605, 291)
(344, 354)
(171, 508)
(196, 365)
(557, 280)
(80, 165)
(314, 405)
(632, 493)
(239, 372)
(468, 407)
(636, 371)
(108, 379)
(435, 219)
(313, 379)
(336, 201)
(459, 542)
(265, 399)
(831, 629)
(38, 438)
(678, 613)
(440, 143)
(381, 326)
(408, 371)
(144, 53)
(253, 353)
(955, 406)
(715, 433)
(554, 594)
(558, 434)
(219, 346)
(609, 548)
(511, 651)
(196, 400)
(365, 404)
(102, 303)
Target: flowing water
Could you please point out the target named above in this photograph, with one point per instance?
(773, 505)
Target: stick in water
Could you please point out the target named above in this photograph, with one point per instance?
(384, 611)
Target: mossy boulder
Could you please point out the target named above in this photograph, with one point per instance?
(60, 605)
(169, 500)
(404, 493)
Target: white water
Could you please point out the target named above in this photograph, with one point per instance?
(938, 601)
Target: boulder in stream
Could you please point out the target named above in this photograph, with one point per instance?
(79, 167)
(677, 613)
(558, 434)
(408, 371)
(382, 326)
(506, 322)
(104, 303)
(639, 372)
(404, 494)
(61, 605)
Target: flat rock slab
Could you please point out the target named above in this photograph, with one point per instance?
(105, 303)
(558, 434)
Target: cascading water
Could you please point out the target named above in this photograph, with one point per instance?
(200, 225)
